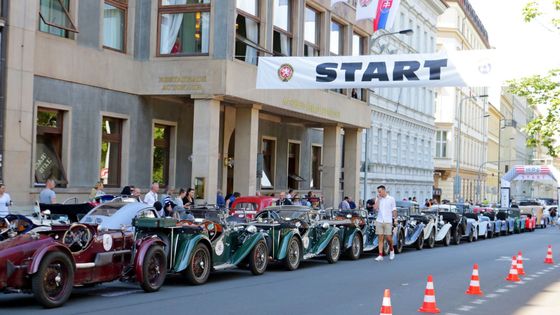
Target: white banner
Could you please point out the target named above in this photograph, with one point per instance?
(457, 68)
(366, 9)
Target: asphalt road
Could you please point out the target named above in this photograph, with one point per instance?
(348, 287)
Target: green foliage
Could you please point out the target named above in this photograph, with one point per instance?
(531, 11)
(542, 90)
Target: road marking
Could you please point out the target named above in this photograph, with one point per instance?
(465, 308)
(540, 273)
(492, 295)
(505, 258)
(479, 301)
(528, 279)
(511, 286)
(501, 291)
(451, 314)
(521, 282)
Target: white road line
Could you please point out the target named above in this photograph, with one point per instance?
(521, 282)
(492, 295)
(479, 301)
(540, 273)
(465, 308)
(451, 314)
(510, 286)
(501, 291)
(528, 279)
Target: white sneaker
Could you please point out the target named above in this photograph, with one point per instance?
(379, 258)
(391, 255)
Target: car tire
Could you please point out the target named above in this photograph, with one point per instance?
(356, 248)
(258, 258)
(470, 239)
(447, 238)
(333, 250)
(154, 269)
(52, 283)
(490, 234)
(199, 265)
(293, 255)
(457, 236)
(400, 243)
(431, 242)
(420, 241)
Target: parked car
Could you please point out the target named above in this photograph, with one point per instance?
(297, 233)
(249, 206)
(534, 208)
(208, 243)
(49, 263)
(507, 222)
(351, 224)
(487, 213)
(484, 227)
(459, 225)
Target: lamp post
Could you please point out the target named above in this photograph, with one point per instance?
(366, 157)
(457, 183)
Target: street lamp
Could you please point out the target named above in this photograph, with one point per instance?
(457, 183)
(366, 158)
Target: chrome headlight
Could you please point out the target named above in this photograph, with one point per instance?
(349, 216)
(325, 225)
(251, 229)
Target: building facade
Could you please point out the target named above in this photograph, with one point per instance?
(459, 28)
(136, 91)
(401, 138)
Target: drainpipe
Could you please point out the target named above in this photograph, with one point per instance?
(3, 54)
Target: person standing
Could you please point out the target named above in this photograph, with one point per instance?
(344, 204)
(47, 195)
(220, 200)
(283, 201)
(96, 191)
(5, 201)
(152, 196)
(188, 200)
(369, 205)
(386, 216)
(351, 203)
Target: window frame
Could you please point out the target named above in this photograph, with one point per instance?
(318, 27)
(298, 166)
(73, 29)
(181, 9)
(274, 159)
(319, 171)
(247, 41)
(341, 37)
(122, 5)
(289, 33)
(167, 162)
(114, 138)
(440, 141)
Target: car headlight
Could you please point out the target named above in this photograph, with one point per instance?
(251, 229)
(325, 225)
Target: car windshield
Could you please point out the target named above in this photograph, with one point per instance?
(529, 203)
(246, 206)
(292, 214)
(107, 209)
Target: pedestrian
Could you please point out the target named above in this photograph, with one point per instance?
(96, 191)
(136, 193)
(351, 203)
(386, 217)
(168, 206)
(152, 196)
(553, 213)
(344, 204)
(179, 199)
(369, 205)
(283, 201)
(220, 200)
(126, 191)
(159, 208)
(290, 194)
(47, 195)
(231, 199)
(5, 201)
(414, 199)
(188, 200)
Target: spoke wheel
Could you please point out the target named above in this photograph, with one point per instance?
(400, 243)
(52, 283)
(432, 239)
(333, 250)
(420, 241)
(293, 257)
(199, 266)
(447, 238)
(356, 250)
(154, 269)
(457, 234)
(258, 259)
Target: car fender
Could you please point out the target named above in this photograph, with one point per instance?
(141, 251)
(350, 238)
(284, 246)
(428, 230)
(396, 231)
(325, 240)
(443, 231)
(184, 246)
(410, 239)
(246, 247)
(45, 249)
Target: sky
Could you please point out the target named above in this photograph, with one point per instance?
(528, 48)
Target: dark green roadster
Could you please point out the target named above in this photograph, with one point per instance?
(209, 242)
(296, 233)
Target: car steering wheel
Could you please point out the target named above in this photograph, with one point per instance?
(77, 237)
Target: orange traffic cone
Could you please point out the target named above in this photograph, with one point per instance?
(520, 269)
(513, 271)
(474, 287)
(548, 259)
(429, 305)
(386, 308)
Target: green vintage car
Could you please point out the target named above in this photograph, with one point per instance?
(351, 224)
(296, 233)
(207, 243)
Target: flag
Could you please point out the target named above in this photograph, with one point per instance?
(386, 13)
(335, 1)
(365, 9)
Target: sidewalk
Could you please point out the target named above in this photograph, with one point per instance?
(546, 302)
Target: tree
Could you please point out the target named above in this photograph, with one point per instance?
(542, 91)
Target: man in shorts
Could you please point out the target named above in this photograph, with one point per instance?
(386, 216)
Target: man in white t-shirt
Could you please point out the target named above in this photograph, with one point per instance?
(151, 197)
(386, 208)
(5, 201)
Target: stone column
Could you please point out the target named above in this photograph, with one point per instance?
(246, 148)
(352, 154)
(331, 165)
(206, 139)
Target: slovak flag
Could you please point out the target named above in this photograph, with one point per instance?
(386, 13)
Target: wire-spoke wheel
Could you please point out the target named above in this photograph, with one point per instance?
(258, 258)
(52, 283)
(293, 256)
(333, 250)
(199, 266)
(154, 269)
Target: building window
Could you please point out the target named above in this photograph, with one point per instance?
(293, 165)
(48, 163)
(316, 162)
(441, 144)
(337, 39)
(269, 156)
(54, 18)
(184, 27)
(282, 35)
(162, 145)
(247, 27)
(358, 49)
(312, 32)
(111, 150)
(114, 24)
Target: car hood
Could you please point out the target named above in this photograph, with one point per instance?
(20, 240)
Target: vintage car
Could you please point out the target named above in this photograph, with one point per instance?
(508, 223)
(530, 222)
(249, 206)
(69, 212)
(518, 221)
(484, 227)
(49, 263)
(488, 214)
(413, 227)
(352, 225)
(15, 224)
(459, 225)
(534, 208)
(209, 242)
(298, 233)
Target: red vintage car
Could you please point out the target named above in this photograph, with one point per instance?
(98, 249)
(249, 206)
